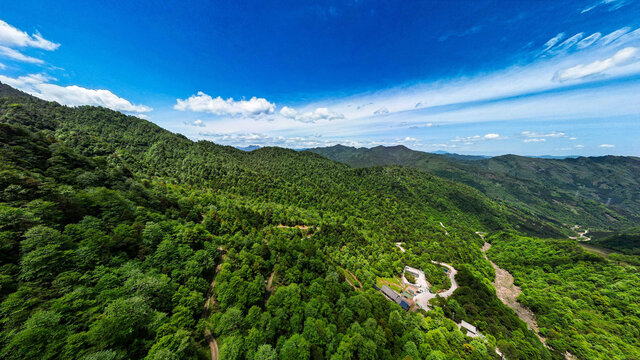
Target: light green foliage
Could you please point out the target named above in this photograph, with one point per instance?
(584, 304)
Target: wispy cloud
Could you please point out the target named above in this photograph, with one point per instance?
(470, 31)
(537, 137)
(381, 111)
(40, 86)
(533, 134)
(623, 57)
(553, 41)
(470, 140)
(17, 55)
(12, 38)
(588, 41)
(197, 122)
(610, 4)
(606, 146)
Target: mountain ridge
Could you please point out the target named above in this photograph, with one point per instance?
(564, 182)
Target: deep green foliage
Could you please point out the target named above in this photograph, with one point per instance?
(476, 301)
(595, 192)
(627, 241)
(111, 231)
(584, 304)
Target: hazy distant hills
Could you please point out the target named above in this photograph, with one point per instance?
(596, 192)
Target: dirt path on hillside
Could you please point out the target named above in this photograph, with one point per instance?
(508, 293)
(423, 298)
(355, 278)
(273, 273)
(452, 278)
(211, 300)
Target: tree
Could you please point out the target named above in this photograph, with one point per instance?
(265, 352)
(232, 348)
(123, 321)
(295, 348)
(41, 338)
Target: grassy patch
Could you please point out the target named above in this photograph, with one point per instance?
(394, 283)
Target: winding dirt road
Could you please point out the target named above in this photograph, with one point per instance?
(423, 299)
(213, 344)
(452, 274)
(211, 300)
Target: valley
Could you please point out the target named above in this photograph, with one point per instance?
(123, 240)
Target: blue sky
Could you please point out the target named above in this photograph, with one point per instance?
(490, 77)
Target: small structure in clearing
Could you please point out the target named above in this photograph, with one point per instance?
(395, 297)
(471, 330)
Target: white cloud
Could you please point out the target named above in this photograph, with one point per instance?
(288, 112)
(621, 58)
(534, 140)
(573, 138)
(579, 146)
(12, 37)
(533, 134)
(198, 123)
(244, 139)
(321, 113)
(40, 86)
(409, 138)
(469, 140)
(202, 102)
(3, 66)
(17, 55)
(429, 125)
(519, 93)
(606, 146)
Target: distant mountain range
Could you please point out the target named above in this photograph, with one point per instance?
(596, 192)
(248, 148)
(481, 157)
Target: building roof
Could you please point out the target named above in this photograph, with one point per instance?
(413, 271)
(394, 296)
(389, 293)
(468, 326)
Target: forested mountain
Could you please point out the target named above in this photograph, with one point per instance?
(121, 240)
(593, 192)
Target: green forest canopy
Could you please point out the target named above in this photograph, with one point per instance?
(112, 229)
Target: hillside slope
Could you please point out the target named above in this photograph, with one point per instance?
(112, 231)
(594, 192)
